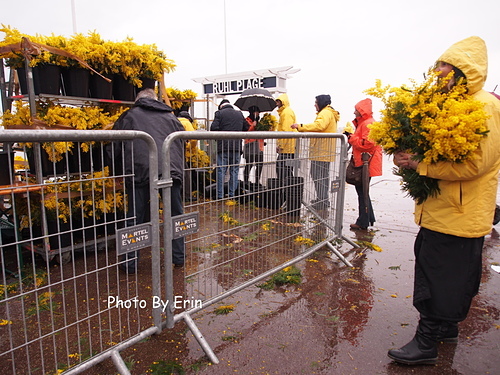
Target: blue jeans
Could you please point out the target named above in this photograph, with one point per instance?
(227, 159)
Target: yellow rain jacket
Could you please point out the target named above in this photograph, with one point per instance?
(287, 119)
(322, 149)
(466, 204)
(192, 143)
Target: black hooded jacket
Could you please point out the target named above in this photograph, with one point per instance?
(156, 119)
(229, 119)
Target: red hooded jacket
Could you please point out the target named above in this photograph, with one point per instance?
(360, 142)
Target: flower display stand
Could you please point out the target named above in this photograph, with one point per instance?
(122, 89)
(46, 79)
(100, 88)
(76, 82)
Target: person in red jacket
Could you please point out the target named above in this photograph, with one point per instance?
(253, 150)
(360, 144)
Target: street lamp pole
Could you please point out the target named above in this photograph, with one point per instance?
(73, 15)
(225, 36)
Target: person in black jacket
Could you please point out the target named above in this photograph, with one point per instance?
(157, 119)
(228, 150)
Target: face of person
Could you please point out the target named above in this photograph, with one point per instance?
(316, 106)
(356, 113)
(443, 68)
(279, 103)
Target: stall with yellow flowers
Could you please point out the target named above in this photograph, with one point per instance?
(82, 82)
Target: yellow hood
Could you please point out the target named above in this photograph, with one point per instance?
(470, 56)
(284, 100)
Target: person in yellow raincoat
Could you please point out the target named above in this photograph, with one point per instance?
(285, 147)
(191, 145)
(448, 247)
(321, 150)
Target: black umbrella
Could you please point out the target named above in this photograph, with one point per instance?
(260, 98)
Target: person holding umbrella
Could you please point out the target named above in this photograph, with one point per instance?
(260, 98)
(254, 100)
(362, 145)
(253, 149)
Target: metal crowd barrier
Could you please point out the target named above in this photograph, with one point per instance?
(269, 223)
(66, 306)
(64, 303)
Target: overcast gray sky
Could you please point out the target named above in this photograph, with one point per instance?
(340, 47)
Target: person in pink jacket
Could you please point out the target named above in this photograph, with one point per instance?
(360, 144)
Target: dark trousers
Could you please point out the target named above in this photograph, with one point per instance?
(138, 212)
(366, 216)
(187, 186)
(253, 160)
(283, 171)
(320, 172)
(447, 274)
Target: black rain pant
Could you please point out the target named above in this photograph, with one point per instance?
(447, 274)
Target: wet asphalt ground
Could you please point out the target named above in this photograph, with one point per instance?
(342, 320)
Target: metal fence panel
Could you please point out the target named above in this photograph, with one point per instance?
(281, 212)
(64, 303)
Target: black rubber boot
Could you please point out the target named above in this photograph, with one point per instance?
(422, 349)
(448, 332)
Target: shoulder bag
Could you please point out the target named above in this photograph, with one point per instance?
(353, 175)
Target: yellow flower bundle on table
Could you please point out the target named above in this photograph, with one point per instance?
(430, 122)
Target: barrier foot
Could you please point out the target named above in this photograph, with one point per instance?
(119, 363)
(349, 241)
(201, 340)
(339, 255)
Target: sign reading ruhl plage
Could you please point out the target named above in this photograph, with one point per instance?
(271, 79)
(238, 85)
(182, 225)
(133, 238)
